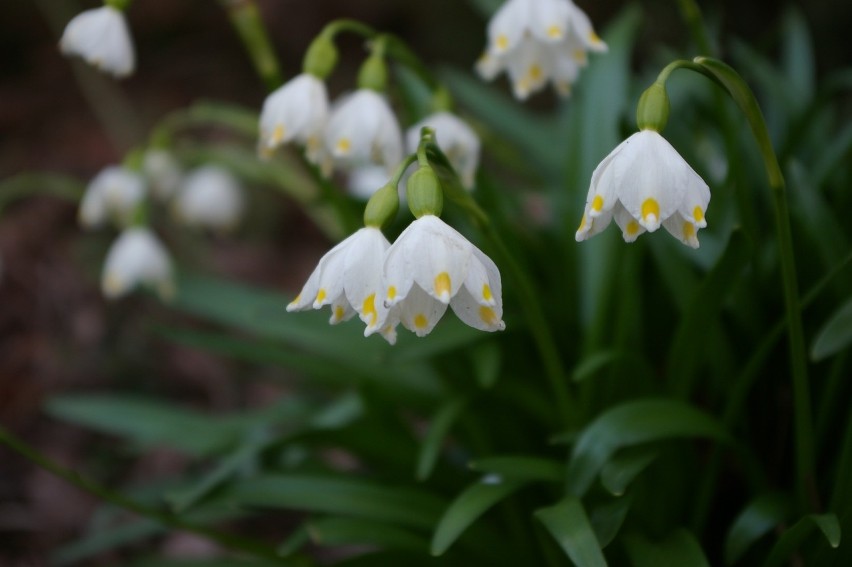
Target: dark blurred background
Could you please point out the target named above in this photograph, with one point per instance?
(58, 335)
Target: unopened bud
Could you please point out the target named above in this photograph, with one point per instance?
(652, 112)
(425, 195)
(382, 207)
(373, 74)
(321, 57)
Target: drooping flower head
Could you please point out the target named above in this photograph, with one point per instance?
(456, 139)
(101, 37)
(137, 257)
(210, 197)
(113, 194)
(642, 184)
(536, 41)
(430, 266)
(163, 172)
(296, 112)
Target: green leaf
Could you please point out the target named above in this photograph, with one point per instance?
(147, 422)
(435, 436)
(343, 496)
(347, 531)
(216, 562)
(608, 518)
(467, 508)
(28, 184)
(756, 520)
(632, 423)
(679, 548)
(568, 524)
(521, 468)
(486, 359)
(617, 474)
(104, 540)
(593, 363)
(793, 538)
(835, 335)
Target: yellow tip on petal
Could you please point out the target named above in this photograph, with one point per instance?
(112, 285)
(344, 145)
(554, 32)
(369, 309)
(688, 231)
(486, 293)
(535, 72)
(443, 286)
(502, 42)
(632, 228)
(580, 56)
(651, 208)
(597, 204)
(278, 134)
(391, 293)
(321, 294)
(420, 321)
(594, 38)
(487, 315)
(339, 312)
(698, 214)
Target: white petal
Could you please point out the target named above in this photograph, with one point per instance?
(362, 275)
(456, 139)
(296, 111)
(210, 197)
(136, 257)
(630, 226)
(420, 312)
(478, 316)
(683, 229)
(581, 29)
(101, 37)
(483, 280)
(549, 19)
(507, 26)
(115, 192)
(363, 129)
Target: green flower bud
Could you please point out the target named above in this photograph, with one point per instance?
(425, 195)
(373, 74)
(117, 4)
(321, 57)
(652, 112)
(382, 206)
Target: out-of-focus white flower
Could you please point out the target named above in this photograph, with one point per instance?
(456, 139)
(430, 266)
(349, 278)
(363, 181)
(114, 193)
(536, 41)
(362, 129)
(296, 112)
(210, 197)
(137, 257)
(163, 172)
(643, 183)
(101, 37)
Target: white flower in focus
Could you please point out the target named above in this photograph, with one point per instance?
(210, 197)
(163, 172)
(536, 41)
(101, 37)
(644, 183)
(431, 265)
(456, 139)
(363, 129)
(296, 112)
(114, 194)
(349, 278)
(137, 257)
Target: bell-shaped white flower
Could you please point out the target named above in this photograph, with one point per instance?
(296, 112)
(349, 279)
(137, 257)
(433, 258)
(113, 194)
(362, 129)
(163, 172)
(644, 183)
(537, 41)
(101, 37)
(210, 197)
(456, 139)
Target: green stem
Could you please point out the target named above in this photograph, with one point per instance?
(346, 25)
(248, 22)
(238, 543)
(691, 14)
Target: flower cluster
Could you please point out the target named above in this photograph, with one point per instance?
(536, 41)
(101, 37)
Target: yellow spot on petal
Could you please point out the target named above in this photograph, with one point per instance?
(554, 32)
(698, 214)
(597, 203)
(502, 42)
(632, 228)
(442, 285)
(321, 295)
(391, 293)
(582, 223)
(344, 145)
(420, 321)
(278, 134)
(369, 308)
(688, 231)
(650, 208)
(594, 38)
(113, 285)
(580, 56)
(339, 312)
(535, 72)
(486, 292)
(487, 315)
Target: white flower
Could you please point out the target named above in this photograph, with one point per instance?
(363, 129)
(163, 172)
(296, 112)
(349, 278)
(114, 193)
(363, 181)
(101, 37)
(644, 183)
(537, 41)
(137, 257)
(210, 197)
(431, 265)
(456, 139)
